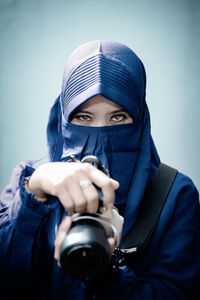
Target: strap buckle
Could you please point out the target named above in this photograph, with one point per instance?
(121, 255)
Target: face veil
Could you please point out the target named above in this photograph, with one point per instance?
(114, 71)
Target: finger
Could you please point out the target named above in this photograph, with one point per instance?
(62, 232)
(115, 184)
(77, 195)
(108, 193)
(111, 242)
(92, 198)
(107, 184)
(86, 198)
(66, 199)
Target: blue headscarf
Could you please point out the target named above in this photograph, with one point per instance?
(114, 71)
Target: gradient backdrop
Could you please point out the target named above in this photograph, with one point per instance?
(36, 38)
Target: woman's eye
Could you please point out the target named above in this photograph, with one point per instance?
(82, 117)
(118, 117)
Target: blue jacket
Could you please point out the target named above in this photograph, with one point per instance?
(170, 268)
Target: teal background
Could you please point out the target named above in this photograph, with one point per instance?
(37, 36)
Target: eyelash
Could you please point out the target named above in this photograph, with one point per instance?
(123, 116)
(82, 117)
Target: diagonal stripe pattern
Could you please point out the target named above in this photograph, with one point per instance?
(98, 69)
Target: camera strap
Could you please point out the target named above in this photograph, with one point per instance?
(148, 215)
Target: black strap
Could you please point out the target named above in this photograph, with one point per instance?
(150, 210)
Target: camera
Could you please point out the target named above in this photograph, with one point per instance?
(85, 252)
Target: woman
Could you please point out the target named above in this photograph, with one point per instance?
(101, 111)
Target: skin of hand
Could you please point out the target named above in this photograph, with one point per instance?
(62, 180)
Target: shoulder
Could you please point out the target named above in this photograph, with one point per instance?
(184, 198)
(183, 185)
(182, 202)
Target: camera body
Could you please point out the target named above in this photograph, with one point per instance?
(85, 252)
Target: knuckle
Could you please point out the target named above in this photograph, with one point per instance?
(78, 170)
(70, 176)
(59, 188)
(86, 167)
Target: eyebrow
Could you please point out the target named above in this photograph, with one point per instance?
(118, 111)
(82, 111)
(90, 113)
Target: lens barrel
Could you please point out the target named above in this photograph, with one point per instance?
(85, 252)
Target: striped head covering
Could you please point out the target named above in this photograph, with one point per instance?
(107, 68)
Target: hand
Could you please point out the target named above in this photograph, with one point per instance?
(62, 180)
(62, 232)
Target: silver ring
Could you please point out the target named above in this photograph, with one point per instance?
(85, 183)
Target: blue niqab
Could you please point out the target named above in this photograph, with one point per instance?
(114, 71)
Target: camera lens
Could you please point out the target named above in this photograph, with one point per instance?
(85, 252)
